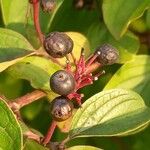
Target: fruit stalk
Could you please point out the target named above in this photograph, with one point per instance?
(49, 133)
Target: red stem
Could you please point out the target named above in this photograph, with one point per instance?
(49, 133)
(36, 19)
(92, 67)
(26, 99)
(92, 60)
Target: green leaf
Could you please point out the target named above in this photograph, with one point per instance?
(10, 131)
(127, 46)
(13, 47)
(35, 69)
(80, 147)
(14, 12)
(114, 112)
(12, 39)
(32, 145)
(118, 14)
(9, 54)
(18, 17)
(133, 75)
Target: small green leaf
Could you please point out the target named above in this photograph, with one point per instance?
(114, 112)
(80, 147)
(133, 75)
(10, 131)
(35, 69)
(32, 145)
(118, 14)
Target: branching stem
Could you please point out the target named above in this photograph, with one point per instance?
(26, 99)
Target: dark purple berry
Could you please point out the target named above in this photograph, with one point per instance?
(62, 82)
(61, 108)
(48, 5)
(108, 55)
(58, 44)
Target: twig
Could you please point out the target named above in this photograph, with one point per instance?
(26, 99)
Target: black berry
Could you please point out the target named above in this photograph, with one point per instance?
(61, 108)
(62, 82)
(58, 44)
(48, 5)
(108, 55)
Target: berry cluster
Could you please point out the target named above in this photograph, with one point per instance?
(68, 81)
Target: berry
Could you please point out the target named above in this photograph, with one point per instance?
(61, 108)
(58, 44)
(62, 82)
(108, 55)
(48, 5)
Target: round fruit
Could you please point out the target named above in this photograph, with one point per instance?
(108, 55)
(58, 44)
(48, 5)
(61, 108)
(62, 82)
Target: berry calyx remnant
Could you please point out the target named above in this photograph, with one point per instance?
(62, 82)
(58, 44)
(61, 108)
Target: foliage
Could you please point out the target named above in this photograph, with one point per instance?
(116, 108)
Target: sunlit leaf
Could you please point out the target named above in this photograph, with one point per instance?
(118, 14)
(35, 69)
(114, 112)
(133, 75)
